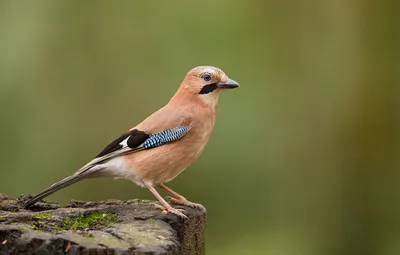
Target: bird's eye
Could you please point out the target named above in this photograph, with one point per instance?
(206, 77)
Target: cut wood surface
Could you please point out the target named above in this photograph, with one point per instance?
(105, 227)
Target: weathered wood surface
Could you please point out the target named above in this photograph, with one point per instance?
(106, 227)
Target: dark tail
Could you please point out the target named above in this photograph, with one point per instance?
(57, 186)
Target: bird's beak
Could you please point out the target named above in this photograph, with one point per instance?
(228, 84)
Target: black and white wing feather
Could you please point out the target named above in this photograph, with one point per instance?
(135, 140)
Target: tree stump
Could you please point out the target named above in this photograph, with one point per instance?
(107, 227)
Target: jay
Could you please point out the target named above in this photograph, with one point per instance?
(164, 144)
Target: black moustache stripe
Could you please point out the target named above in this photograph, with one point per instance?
(208, 88)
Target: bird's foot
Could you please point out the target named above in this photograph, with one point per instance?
(184, 201)
(170, 209)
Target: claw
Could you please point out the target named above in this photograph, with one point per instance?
(186, 203)
(170, 209)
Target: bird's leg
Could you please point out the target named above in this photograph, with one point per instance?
(165, 206)
(179, 199)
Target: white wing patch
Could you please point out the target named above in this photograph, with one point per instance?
(124, 143)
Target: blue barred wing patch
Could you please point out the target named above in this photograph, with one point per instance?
(166, 136)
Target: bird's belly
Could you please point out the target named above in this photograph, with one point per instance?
(119, 169)
(162, 164)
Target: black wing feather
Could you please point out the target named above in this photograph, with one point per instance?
(136, 138)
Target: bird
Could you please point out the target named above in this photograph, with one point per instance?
(164, 144)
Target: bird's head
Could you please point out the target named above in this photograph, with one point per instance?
(204, 84)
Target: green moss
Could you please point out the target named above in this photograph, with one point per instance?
(94, 220)
(41, 216)
(37, 227)
(45, 227)
(24, 228)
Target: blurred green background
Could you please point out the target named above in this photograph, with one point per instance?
(304, 158)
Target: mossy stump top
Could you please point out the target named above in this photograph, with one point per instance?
(106, 227)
